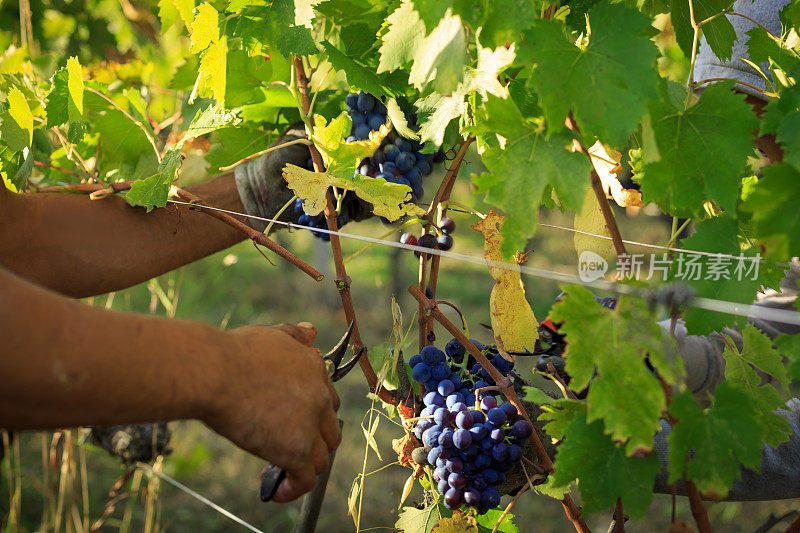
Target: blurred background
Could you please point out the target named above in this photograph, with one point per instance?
(56, 481)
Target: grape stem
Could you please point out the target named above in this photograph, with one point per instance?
(506, 387)
(342, 279)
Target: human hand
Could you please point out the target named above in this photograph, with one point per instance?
(276, 401)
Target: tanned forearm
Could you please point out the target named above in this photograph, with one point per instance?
(71, 364)
(81, 247)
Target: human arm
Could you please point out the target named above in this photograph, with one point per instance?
(68, 364)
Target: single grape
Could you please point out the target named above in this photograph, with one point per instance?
(458, 407)
(408, 238)
(390, 152)
(424, 166)
(491, 498)
(442, 417)
(358, 120)
(420, 455)
(514, 452)
(510, 410)
(362, 132)
(491, 476)
(455, 464)
(472, 496)
(446, 438)
(432, 355)
(483, 460)
(351, 100)
(500, 451)
(496, 417)
(451, 400)
(405, 161)
(446, 387)
(447, 225)
(452, 498)
(440, 473)
(462, 439)
(457, 382)
(431, 436)
(404, 145)
(464, 420)
(417, 358)
(497, 434)
(477, 416)
(455, 350)
(428, 411)
(457, 480)
(488, 403)
(421, 372)
(433, 398)
(424, 424)
(521, 429)
(442, 487)
(444, 241)
(441, 371)
(427, 241)
(375, 121)
(478, 432)
(366, 102)
(431, 384)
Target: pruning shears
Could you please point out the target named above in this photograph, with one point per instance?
(274, 475)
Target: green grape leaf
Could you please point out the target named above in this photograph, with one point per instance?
(440, 59)
(75, 105)
(777, 222)
(603, 471)
(606, 85)
(153, 191)
(210, 119)
(205, 27)
(519, 173)
(15, 167)
(702, 150)
(722, 278)
(413, 520)
(234, 144)
(486, 522)
(719, 32)
(721, 438)
(214, 69)
(609, 349)
(432, 11)
(172, 11)
(789, 345)
(762, 47)
(16, 129)
(402, 40)
(782, 118)
(757, 352)
(506, 20)
(558, 412)
(360, 76)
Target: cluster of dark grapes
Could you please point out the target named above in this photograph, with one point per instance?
(317, 221)
(470, 447)
(444, 241)
(398, 160)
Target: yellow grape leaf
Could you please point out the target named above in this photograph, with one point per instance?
(606, 163)
(514, 324)
(458, 523)
(590, 219)
(21, 113)
(341, 157)
(389, 200)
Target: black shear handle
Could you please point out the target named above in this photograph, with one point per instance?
(270, 481)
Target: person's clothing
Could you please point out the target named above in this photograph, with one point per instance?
(708, 65)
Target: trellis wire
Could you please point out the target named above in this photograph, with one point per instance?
(201, 498)
(709, 304)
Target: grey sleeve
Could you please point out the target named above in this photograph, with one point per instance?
(707, 65)
(778, 478)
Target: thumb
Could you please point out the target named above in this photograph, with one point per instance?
(303, 332)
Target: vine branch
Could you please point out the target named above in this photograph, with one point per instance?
(342, 279)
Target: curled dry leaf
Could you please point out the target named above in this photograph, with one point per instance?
(514, 324)
(403, 448)
(606, 164)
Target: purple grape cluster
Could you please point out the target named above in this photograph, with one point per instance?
(398, 160)
(470, 448)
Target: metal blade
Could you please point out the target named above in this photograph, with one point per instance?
(342, 370)
(336, 354)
